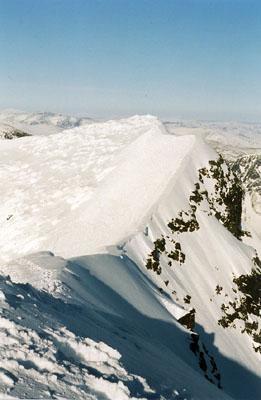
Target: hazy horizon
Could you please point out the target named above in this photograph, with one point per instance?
(191, 60)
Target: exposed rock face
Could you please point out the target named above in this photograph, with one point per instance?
(246, 305)
(248, 170)
(188, 320)
(219, 193)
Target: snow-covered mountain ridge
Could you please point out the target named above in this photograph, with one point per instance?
(45, 179)
(145, 227)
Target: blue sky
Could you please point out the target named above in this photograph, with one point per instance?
(110, 58)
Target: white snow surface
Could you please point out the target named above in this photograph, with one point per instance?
(124, 201)
(90, 321)
(43, 179)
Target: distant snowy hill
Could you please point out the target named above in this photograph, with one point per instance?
(231, 139)
(39, 123)
(124, 268)
(10, 132)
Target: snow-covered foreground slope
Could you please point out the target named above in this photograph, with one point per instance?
(130, 306)
(106, 335)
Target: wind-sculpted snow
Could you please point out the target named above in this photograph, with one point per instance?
(43, 179)
(42, 361)
(94, 344)
(151, 222)
(125, 199)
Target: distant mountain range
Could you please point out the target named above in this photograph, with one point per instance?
(38, 123)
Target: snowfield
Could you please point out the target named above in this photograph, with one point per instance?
(43, 179)
(115, 264)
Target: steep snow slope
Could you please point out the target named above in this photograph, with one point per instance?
(212, 257)
(240, 144)
(162, 221)
(102, 339)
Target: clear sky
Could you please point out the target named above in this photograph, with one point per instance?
(109, 58)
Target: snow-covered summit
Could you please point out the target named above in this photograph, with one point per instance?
(127, 197)
(45, 178)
